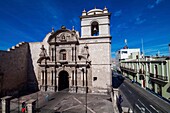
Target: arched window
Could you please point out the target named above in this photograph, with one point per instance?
(63, 54)
(94, 28)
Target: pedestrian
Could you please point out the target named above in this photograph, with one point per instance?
(120, 99)
(23, 110)
(47, 97)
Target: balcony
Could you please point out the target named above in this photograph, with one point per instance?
(159, 77)
(128, 70)
(142, 72)
(63, 61)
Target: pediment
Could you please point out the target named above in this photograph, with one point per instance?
(63, 36)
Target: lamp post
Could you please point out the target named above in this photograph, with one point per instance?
(86, 86)
(169, 49)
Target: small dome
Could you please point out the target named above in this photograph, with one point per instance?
(95, 11)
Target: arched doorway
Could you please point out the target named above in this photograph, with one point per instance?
(63, 82)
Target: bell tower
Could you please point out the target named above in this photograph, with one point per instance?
(95, 23)
(95, 33)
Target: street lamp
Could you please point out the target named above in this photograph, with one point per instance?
(86, 86)
(169, 49)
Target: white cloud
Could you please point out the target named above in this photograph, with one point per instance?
(123, 25)
(118, 13)
(158, 1)
(153, 50)
(113, 53)
(55, 16)
(74, 21)
(151, 6)
(154, 4)
(139, 20)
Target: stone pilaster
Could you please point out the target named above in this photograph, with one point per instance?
(57, 81)
(31, 105)
(162, 69)
(6, 104)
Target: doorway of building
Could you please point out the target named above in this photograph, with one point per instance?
(63, 82)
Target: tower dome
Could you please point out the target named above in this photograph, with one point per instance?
(95, 11)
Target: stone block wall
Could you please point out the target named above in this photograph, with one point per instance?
(13, 64)
(100, 57)
(34, 56)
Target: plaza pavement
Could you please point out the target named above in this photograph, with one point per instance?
(65, 102)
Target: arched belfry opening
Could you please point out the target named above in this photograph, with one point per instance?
(94, 29)
(63, 82)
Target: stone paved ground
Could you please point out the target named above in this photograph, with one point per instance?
(64, 102)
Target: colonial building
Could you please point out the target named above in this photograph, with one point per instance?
(152, 73)
(63, 60)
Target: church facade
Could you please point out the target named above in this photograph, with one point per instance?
(66, 60)
(80, 64)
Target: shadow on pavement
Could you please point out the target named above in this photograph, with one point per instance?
(117, 80)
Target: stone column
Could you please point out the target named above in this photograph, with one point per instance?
(73, 89)
(31, 106)
(167, 71)
(162, 64)
(53, 85)
(6, 104)
(85, 77)
(70, 81)
(150, 67)
(57, 81)
(42, 77)
(114, 96)
(74, 77)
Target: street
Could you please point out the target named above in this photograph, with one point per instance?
(141, 100)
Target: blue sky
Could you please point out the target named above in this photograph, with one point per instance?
(134, 20)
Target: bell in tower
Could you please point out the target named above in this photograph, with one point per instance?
(95, 23)
(94, 29)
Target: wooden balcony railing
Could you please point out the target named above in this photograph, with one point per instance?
(129, 69)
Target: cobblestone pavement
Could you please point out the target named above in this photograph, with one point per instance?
(64, 102)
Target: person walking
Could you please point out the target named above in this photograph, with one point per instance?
(47, 97)
(23, 110)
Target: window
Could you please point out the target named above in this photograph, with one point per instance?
(94, 78)
(63, 55)
(156, 71)
(95, 29)
(124, 52)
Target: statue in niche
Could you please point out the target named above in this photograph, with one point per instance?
(43, 52)
(43, 55)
